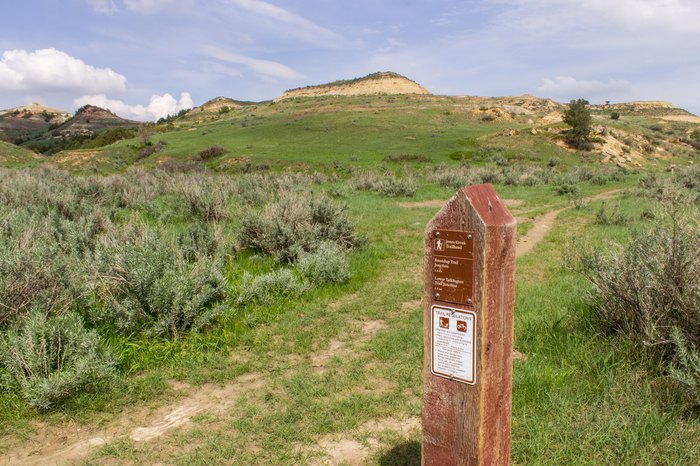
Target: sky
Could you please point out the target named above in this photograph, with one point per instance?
(145, 59)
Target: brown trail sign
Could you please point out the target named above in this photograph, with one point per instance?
(468, 330)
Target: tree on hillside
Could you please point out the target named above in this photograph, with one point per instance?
(146, 130)
(579, 118)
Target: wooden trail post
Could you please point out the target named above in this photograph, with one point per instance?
(468, 330)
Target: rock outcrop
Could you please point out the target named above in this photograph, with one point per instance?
(373, 84)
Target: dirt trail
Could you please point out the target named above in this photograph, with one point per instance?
(69, 443)
(544, 223)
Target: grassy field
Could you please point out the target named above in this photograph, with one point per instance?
(332, 373)
(313, 134)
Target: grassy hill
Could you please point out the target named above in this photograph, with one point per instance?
(364, 131)
(15, 156)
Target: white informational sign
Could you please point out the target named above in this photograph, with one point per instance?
(453, 353)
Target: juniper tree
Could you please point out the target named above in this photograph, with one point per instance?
(579, 118)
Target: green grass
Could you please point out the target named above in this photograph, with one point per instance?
(580, 396)
(15, 156)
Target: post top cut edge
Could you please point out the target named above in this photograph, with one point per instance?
(488, 204)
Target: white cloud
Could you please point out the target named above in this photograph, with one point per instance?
(159, 106)
(569, 87)
(290, 23)
(150, 6)
(262, 67)
(544, 17)
(106, 7)
(50, 70)
(674, 16)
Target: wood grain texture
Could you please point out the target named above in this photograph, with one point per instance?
(470, 424)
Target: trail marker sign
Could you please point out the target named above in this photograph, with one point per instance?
(469, 269)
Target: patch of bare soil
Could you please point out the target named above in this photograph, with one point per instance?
(345, 451)
(552, 117)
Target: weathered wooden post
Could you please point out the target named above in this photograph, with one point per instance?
(468, 330)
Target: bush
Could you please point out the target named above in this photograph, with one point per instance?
(296, 223)
(210, 153)
(448, 177)
(612, 217)
(145, 286)
(197, 239)
(650, 291)
(614, 115)
(685, 369)
(205, 199)
(578, 116)
(38, 266)
(398, 158)
(387, 184)
(568, 189)
(49, 359)
(328, 264)
(265, 289)
(149, 149)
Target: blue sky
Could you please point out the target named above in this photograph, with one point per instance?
(147, 58)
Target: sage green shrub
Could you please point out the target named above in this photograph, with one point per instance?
(48, 359)
(328, 264)
(296, 223)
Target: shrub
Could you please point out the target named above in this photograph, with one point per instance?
(614, 115)
(328, 264)
(35, 270)
(340, 191)
(265, 289)
(295, 223)
(578, 116)
(49, 359)
(387, 184)
(650, 291)
(145, 286)
(197, 239)
(689, 178)
(612, 217)
(398, 158)
(450, 177)
(599, 179)
(205, 200)
(685, 369)
(568, 189)
(210, 153)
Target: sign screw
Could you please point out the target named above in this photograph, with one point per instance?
(437, 234)
(469, 236)
(469, 300)
(437, 295)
